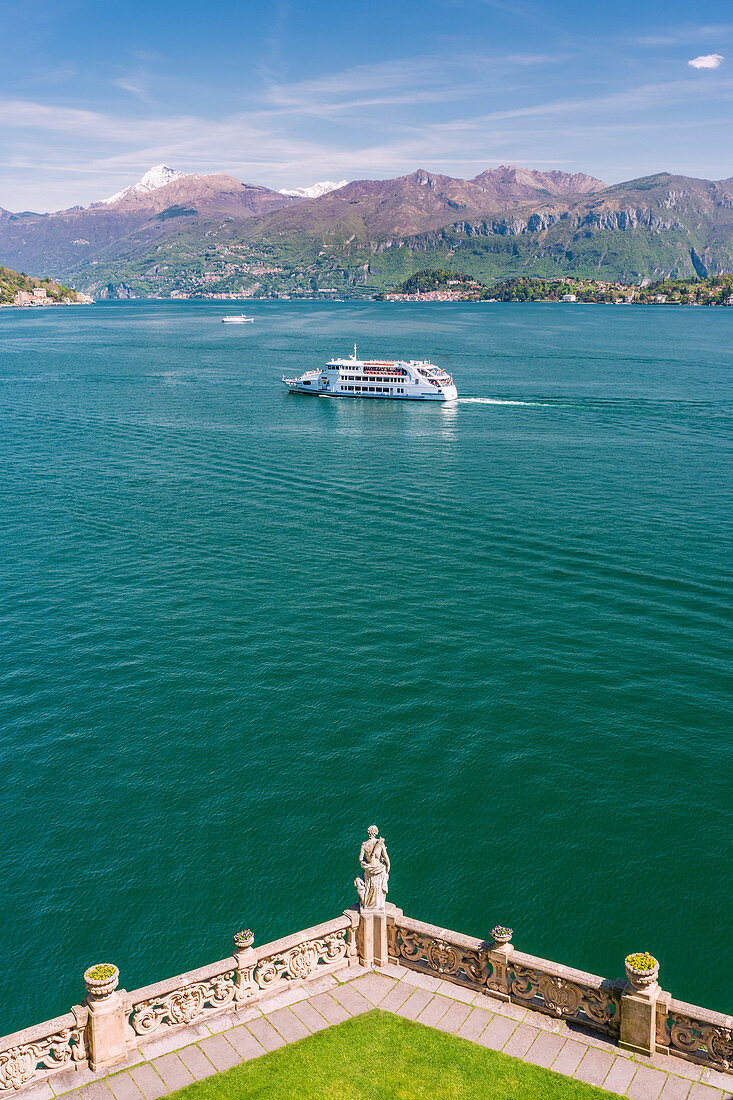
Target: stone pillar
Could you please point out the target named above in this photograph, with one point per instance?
(107, 1023)
(246, 960)
(372, 938)
(639, 1020)
(500, 958)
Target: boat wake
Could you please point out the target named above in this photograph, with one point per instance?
(504, 401)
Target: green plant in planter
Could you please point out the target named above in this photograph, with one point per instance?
(101, 972)
(641, 960)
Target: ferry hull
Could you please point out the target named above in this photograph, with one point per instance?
(444, 396)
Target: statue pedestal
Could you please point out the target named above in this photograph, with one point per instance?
(372, 937)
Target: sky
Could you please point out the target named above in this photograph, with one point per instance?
(287, 92)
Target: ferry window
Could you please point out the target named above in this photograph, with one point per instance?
(306, 383)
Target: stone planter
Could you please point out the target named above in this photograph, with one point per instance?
(641, 979)
(243, 942)
(501, 936)
(101, 986)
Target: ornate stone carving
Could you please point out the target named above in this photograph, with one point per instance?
(700, 1041)
(374, 861)
(432, 953)
(301, 961)
(21, 1064)
(184, 1005)
(565, 998)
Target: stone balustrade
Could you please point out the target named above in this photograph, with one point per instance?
(39, 1052)
(110, 1025)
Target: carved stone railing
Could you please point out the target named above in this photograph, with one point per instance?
(105, 1030)
(695, 1034)
(548, 987)
(31, 1056)
(243, 978)
(182, 1000)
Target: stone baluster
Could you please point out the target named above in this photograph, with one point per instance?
(108, 1009)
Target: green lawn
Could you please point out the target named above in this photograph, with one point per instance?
(379, 1056)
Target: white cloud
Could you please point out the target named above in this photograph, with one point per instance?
(706, 61)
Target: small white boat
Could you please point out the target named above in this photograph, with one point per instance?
(237, 319)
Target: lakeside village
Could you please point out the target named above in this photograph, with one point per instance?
(454, 286)
(22, 290)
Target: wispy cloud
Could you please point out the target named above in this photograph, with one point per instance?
(683, 36)
(707, 61)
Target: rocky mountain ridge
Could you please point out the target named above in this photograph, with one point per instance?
(214, 234)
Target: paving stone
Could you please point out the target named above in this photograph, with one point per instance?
(414, 1004)
(425, 981)
(331, 1010)
(351, 973)
(96, 1091)
(675, 1088)
(723, 1081)
(392, 970)
(434, 1011)
(647, 1084)
(544, 1049)
(265, 1033)
(507, 1008)
(284, 998)
(148, 1081)
(74, 1095)
(704, 1092)
(595, 1039)
(396, 997)
(454, 1017)
(474, 1024)
(543, 1022)
(374, 986)
(594, 1066)
(41, 1091)
(620, 1075)
(520, 1041)
(351, 999)
(175, 1040)
(123, 1087)
(244, 1043)
(320, 985)
(173, 1072)
(195, 1060)
(288, 1025)
(569, 1058)
(307, 1015)
(223, 1023)
(220, 1052)
(245, 1015)
(498, 1032)
(458, 992)
(669, 1064)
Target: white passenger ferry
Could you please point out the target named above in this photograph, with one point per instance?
(408, 380)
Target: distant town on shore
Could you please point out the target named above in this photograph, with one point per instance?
(454, 286)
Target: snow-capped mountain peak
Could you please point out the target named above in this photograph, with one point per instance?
(315, 190)
(154, 178)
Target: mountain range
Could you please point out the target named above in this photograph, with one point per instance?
(212, 234)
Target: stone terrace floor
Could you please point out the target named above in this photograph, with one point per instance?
(194, 1053)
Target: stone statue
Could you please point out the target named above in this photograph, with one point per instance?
(372, 889)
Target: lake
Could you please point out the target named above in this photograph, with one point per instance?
(240, 625)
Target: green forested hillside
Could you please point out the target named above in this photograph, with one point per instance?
(12, 281)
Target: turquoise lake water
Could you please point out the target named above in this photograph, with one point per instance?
(239, 626)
